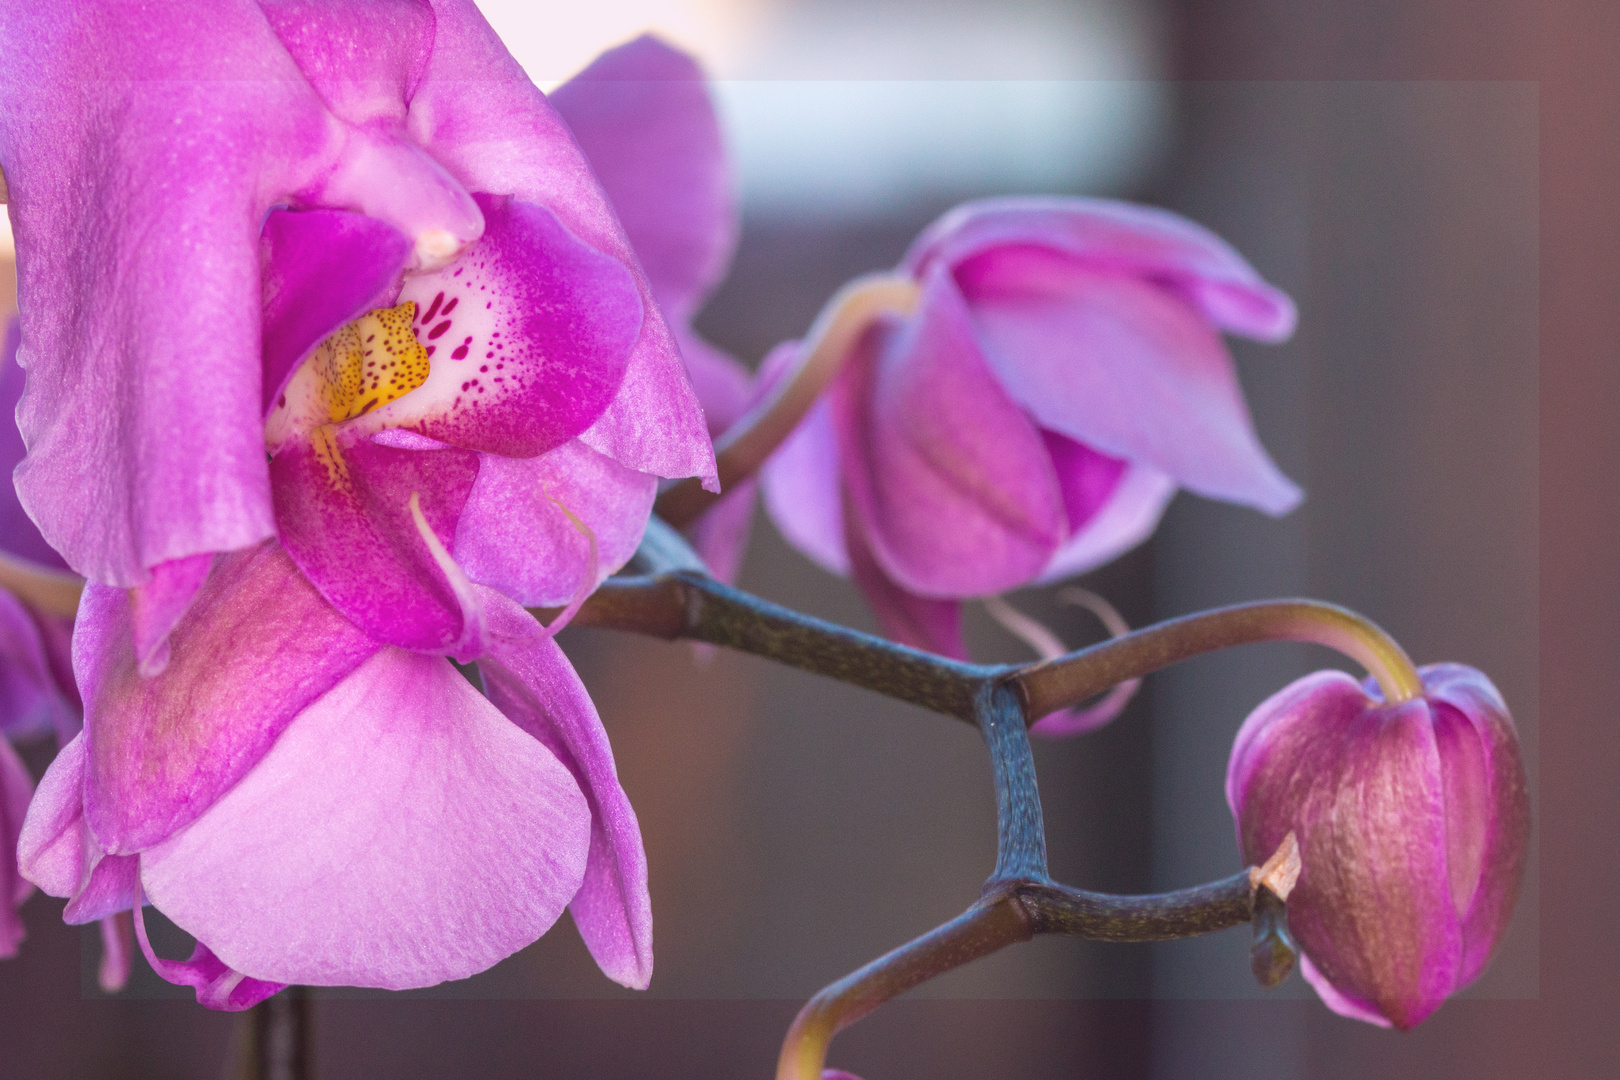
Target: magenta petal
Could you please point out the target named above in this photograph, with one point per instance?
(1341, 1003)
(643, 116)
(954, 486)
(515, 539)
(141, 278)
(931, 625)
(258, 644)
(531, 681)
(528, 334)
(364, 57)
(802, 479)
(322, 268)
(399, 833)
(18, 534)
(1127, 518)
(16, 788)
(217, 986)
(157, 606)
(479, 113)
(350, 529)
(1123, 366)
(1118, 238)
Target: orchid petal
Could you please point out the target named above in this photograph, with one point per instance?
(531, 681)
(217, 986)
(1124, 367)
(1338, 1001)
(1124, 521)
(322, 268)
(343, 508)
(931, 625)
(158, 605)
(363, 57)
(643, 116)
(477, 111)
(527, 334)
(16, 789)
(30, 701)
(929, 437)
(1119, 238)
(802, 478)
(258, 645)
(399, 833)
(18, 534)
(514, 537)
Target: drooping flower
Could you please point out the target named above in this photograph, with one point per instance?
(1062, 376)
(1412, 822)
(449, 436)
(644, 117)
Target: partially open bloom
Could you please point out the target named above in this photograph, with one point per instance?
(1412, 821)
(445, 393)
(645, 119)
(1062, 375)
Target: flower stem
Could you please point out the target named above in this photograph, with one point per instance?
(48, 591)
(745, 445)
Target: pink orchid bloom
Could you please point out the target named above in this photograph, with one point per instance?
(644, 117)
(1412, 822)
(1062, 376)
(465, 391)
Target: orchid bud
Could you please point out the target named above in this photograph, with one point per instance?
(1412, 820)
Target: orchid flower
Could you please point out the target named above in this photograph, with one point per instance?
(460, 395)
(1412, 823)
(645, 119)
(1062, 375)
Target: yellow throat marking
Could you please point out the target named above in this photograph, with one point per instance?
(370, 362)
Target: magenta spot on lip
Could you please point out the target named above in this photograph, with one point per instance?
(439, 331)
(429, 349)
(451, 306)
(460, 353)
(427, 316)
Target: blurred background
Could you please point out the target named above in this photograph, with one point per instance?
(1385, 165)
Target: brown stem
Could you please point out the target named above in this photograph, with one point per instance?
(277, 1038)
(746, 444)
(48, 591)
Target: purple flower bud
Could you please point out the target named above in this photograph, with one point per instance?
(1412, 821)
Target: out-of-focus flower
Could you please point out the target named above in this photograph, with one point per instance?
(276, 753)
(1412, 822)
(644, 116)
(1062, 375)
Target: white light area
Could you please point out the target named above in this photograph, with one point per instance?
(8, 243)
(857, 109)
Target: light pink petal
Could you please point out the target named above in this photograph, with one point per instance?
(322, 268)
(723, 385)
(258, 644)
(157, 605)
(18, 534)
(364, 57)
(514, 538)
(530, 680)
(217, 986)
(720, 535)
(643, 116)
(954, 487)
(16, 788)
(931, 625)
(1123, 366)
(802, 479)
(1120, 238)
(399, 833)
(30, 701)
(478, 113)
(528, 335)
(1129, 517)
(1341, 1003)
(343, 506)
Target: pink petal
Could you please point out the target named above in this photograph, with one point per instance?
(343, 508)
(802, 479)
(722, 384)
(643, 116)
(117, 950)
(363, 57)
(322, 268)
(531, 681)
(1123, 366)
(18, 534)
(955, 490)
(1120, 238)
(1129, 517)
(217, 986)
(477, 112)
(931, 625)
(30, 701)
(528, 335)
(720, 535)
(399, 833)
(512, 537)
(258, 644)
(1341, 1003)
(16, 788)
(157, 606)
